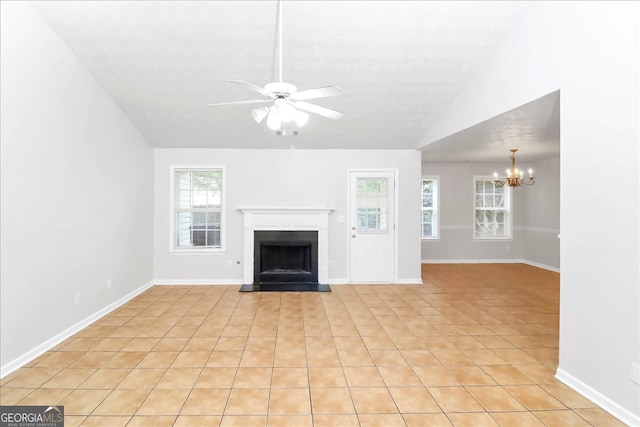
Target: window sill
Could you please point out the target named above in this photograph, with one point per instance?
(430, 239)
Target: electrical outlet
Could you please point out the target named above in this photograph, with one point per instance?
(109, 284)
(77, 299)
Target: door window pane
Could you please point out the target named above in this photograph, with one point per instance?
(372, 204)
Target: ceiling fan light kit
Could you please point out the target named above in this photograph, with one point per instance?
(288, 105)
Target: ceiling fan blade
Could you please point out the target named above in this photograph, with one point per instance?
(249, 101)
(316, 109)
(252, 87)
(321, 92)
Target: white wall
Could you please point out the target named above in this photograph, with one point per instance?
(588, 51)
(541, 215)
(76, 191)
(281, 178)
(456, 199)
(536, 217)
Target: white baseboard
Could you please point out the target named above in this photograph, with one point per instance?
(197, 282)
(409, 281)
(20, 361)
(599, 399)
(472, 261)
(397, 282)
(543, 266)
(490, 261)
(191, 282)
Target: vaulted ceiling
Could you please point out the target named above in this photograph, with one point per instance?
(401, 63)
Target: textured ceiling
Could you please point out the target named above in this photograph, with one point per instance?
(401, 63)
(533, 129)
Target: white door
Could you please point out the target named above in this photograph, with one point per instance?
(372, 227)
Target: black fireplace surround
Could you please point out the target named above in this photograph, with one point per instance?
(285, 261)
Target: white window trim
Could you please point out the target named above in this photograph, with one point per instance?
(436, 210)
(508, 217)
(173, 249)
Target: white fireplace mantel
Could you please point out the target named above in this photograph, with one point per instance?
(289, 219)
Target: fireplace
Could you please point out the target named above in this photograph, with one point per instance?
(285, 257)
(285, 249)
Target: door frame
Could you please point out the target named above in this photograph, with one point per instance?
(396, 180)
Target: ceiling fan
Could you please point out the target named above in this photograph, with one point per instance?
(289, 104)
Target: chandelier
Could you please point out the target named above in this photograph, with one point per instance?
(515, 177)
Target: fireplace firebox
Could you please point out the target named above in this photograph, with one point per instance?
(285, 261)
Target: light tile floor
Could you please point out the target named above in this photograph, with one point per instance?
(476, 345)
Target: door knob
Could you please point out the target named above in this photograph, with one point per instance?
(353, 235)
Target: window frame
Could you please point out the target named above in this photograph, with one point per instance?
(174, 249)
(435, 209)
(508, 211)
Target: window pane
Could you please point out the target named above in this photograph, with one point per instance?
(213, 237)
(371, 219)
(199, 237)
(183, 182)
(427, 200)
(205, 180)
(213, 219)
(427, 230)
(372, 202)
(199, 219)
(199, 199)
(183, 227)
(428, 192)
(490, 223)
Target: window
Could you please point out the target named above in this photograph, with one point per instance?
(492, 215)
(373, 209)
(197, 208)
(429, 208)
